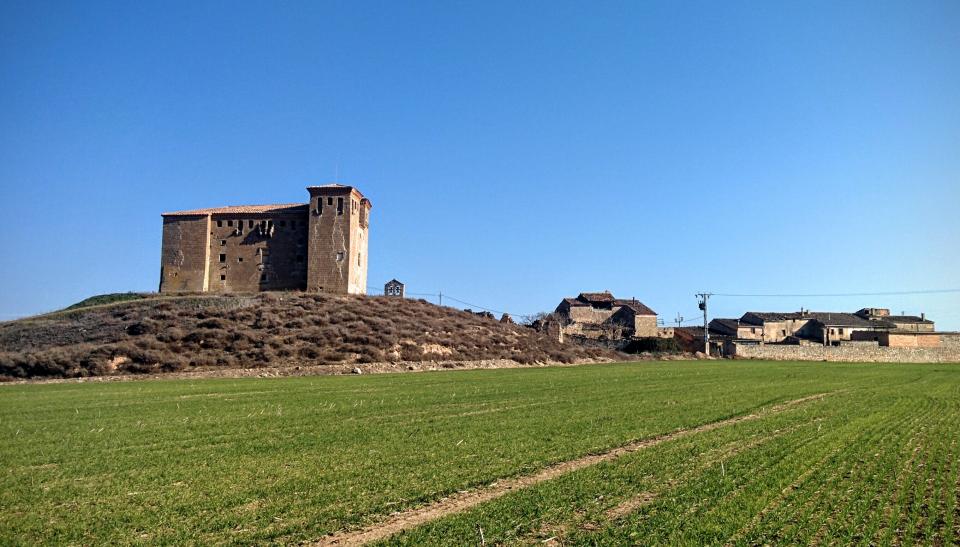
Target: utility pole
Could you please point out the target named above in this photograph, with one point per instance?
(702, 301)
(678, 320)
(441, 297)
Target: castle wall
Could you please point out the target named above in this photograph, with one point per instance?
(184, 255)
(334, 242)
(320, 246)
(357, 272)
(250, 252)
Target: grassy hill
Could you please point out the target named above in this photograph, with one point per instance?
(139, 333)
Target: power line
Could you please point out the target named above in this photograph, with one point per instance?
(464, 302)
(827, 295)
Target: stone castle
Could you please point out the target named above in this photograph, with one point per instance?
(319, 246)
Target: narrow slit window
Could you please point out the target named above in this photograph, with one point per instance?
(339, 206)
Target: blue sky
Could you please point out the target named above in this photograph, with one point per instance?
(515, 152)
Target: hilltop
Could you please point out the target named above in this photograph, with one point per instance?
(144, 333)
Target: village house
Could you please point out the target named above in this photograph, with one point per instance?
(826, 328)
(601, 315)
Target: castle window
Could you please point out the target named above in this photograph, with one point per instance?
(329, 201)
(223, 257)
(229, 223)
(339, 256)
(841, 331)
(264, 278)
(223, 242)
(239, 259)
(339, 206)
(223, 277)
(219, 224)
(250, 224)
(320, 206)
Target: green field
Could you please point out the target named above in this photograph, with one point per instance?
(293, 459)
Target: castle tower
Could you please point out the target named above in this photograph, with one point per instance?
(337, 239)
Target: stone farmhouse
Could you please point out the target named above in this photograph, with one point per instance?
(317, 246)
(600, 315)
(827, 328)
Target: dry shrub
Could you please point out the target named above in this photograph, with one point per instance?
(266, 330)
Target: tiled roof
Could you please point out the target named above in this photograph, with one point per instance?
(905, 319)
(243, 210)
(841, 319)
(768, 316)
(591, 297)
(638, 307)
(731, 324)
(836, 319)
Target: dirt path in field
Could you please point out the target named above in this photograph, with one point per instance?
(459, 502)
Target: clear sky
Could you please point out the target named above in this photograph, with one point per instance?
(515, 152)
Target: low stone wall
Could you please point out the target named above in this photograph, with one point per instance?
(950, 340)
(853, 353)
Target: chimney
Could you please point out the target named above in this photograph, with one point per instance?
(923, 316)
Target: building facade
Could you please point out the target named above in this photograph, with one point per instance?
(394, 288)
(601, 315)
(805, 327)
(319, 246)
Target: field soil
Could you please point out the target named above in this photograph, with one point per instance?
(268, 334)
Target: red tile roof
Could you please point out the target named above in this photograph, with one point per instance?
(243, 209)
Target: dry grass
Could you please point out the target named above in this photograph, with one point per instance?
(270, 329)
